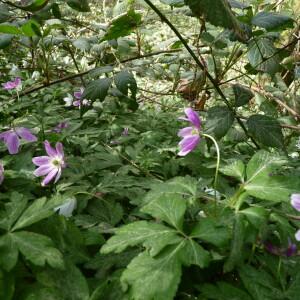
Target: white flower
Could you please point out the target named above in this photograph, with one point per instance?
(35, 75)
(67, 208)
(68, 100)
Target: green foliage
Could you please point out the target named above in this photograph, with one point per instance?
(128, 218)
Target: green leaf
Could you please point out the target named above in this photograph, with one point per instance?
(168, 208)
(184, 186)
(37, 248)
(219, 121)
(69, 284)
(234, 168)
(82, 44)
(256, 215)
(263, 163)
(260, 283)
(266, 130)
(151, 235)
(11, 29)
(236, 252)
(5, 40)
(224, 291)
(218, 13)
(79, 5)
(126, 82)
(272, 21)
(175, 3)
(208, 230)
(35, 5)
(7, 285)
(31, 28)
(38, 210)
(97, 89)
(242, 94)
(8, 252)
(123, 25)
(273, 188)
(263, 55)
(154, 278)
(14, 209)
(194, 254)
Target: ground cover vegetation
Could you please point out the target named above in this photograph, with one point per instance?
(149, 150)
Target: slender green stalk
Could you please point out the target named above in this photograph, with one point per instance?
(217, 166)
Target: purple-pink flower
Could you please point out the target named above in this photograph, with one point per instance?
(60, 126)
(12, 84)
(12, 138)
(50, 166)
(191, 134)
(78, 102)
(295, 202)
(1, 173)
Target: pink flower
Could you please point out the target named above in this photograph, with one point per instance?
(295, 202)
(10, 85)
(12, 138)
(50, 166)
(191, 134)
(1, 173)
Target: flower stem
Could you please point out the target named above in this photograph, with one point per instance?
(217, 166)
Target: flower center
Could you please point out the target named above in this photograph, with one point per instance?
(195, 131)
(57, 162)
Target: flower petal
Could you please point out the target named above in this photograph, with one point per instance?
(50, 151)
(59, 149)
(43, 170)
(188, 144)
(295, 201)
(26, 134)
(41, 160)
(12, 142)
(57, 175)
(297, 235)
(67, 208)
(185, 131)
(1, 173)
(50, 176)
(193, 117)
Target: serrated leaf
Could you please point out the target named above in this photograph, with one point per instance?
(272, 21)
(184, 186)
(194, 254)
(69, 284)
(234, 168)
(14, 209)
(123, 25)
(219, 121)
(8, 252)
(256, 215)
(236, 252)
(273, 188)
(38, 210)
(262, 55)
(168, 208)
(266, 130)
(79, 5)
(37, 248)
(259, 283)
(209, 231)
(263, 163)
(154, 278)
(218, 13)
(242, 94)
(151, 235)
(97, 89)
(224, 291)
(31, 28)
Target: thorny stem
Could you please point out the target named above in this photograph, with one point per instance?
(201, 66)
(217, 166)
